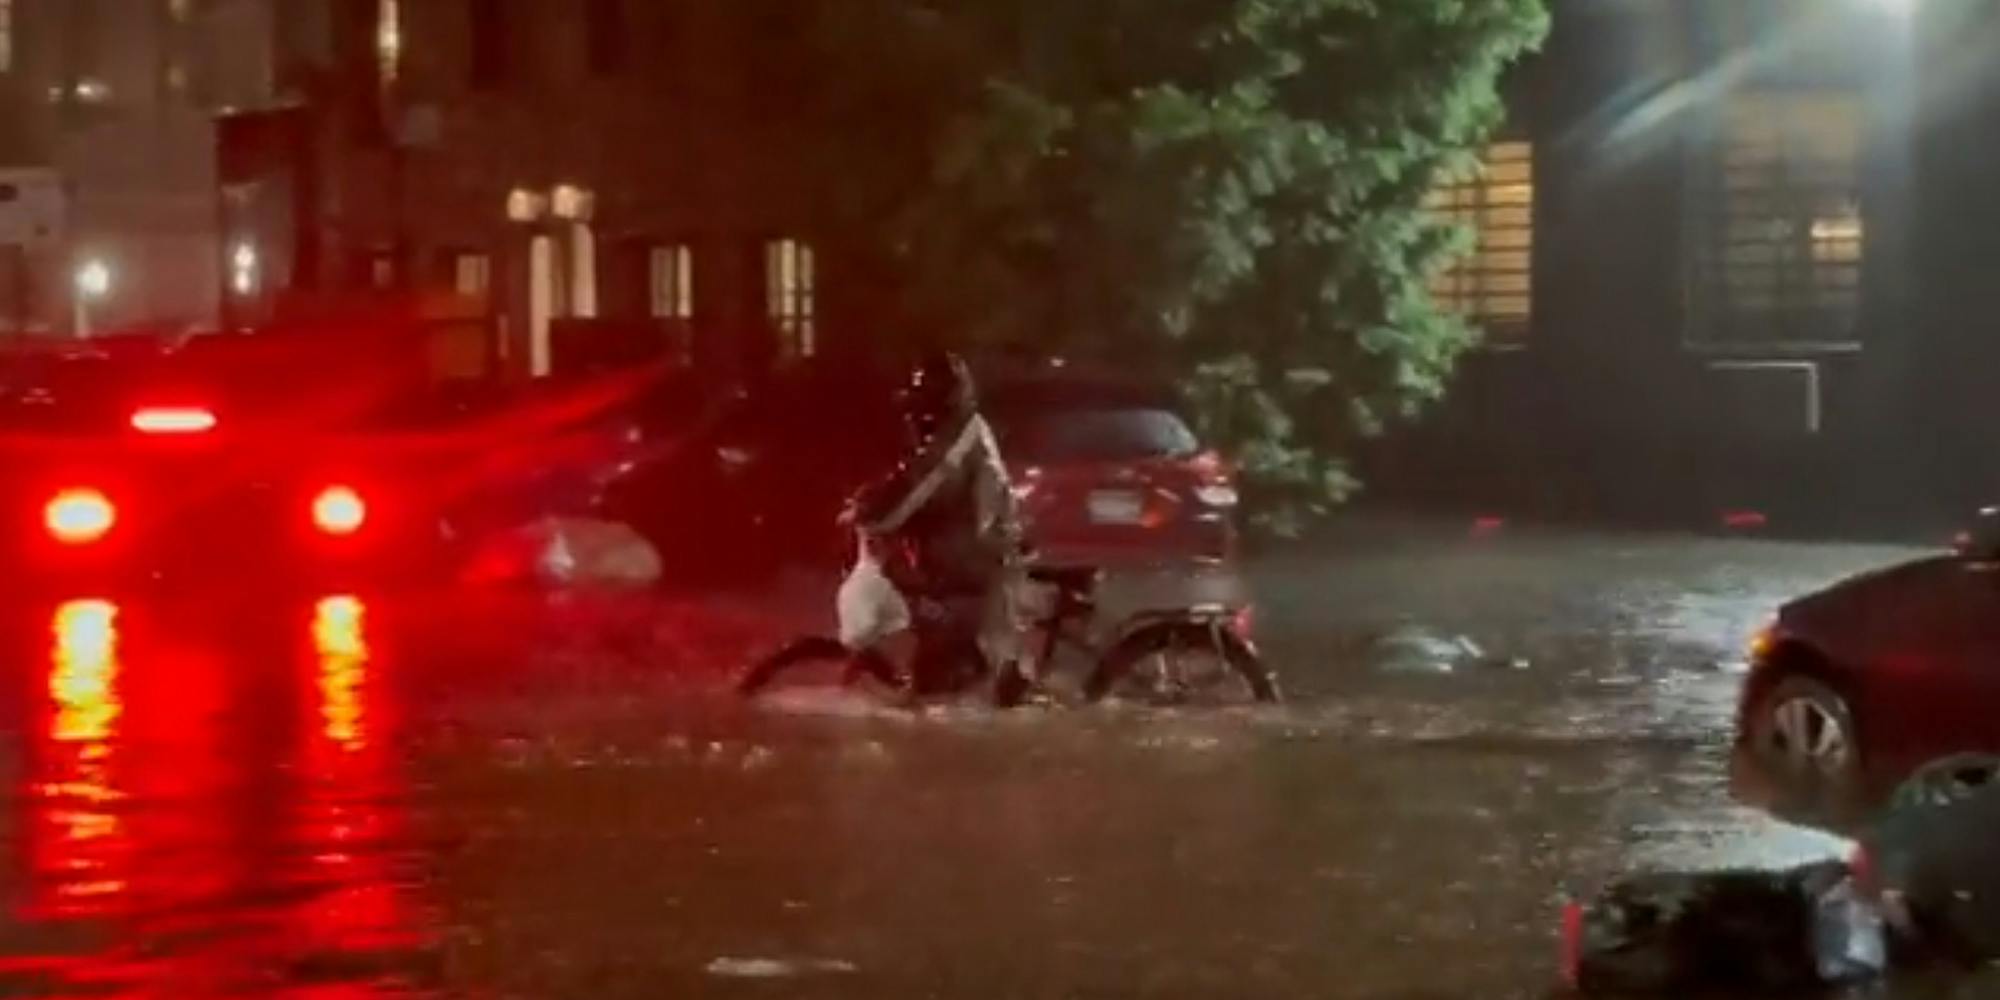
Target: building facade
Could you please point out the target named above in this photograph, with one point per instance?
(112, 102)
(534, 163)
(1731, 253)
(1713, 267)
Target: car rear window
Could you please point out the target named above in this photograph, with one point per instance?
(1096, 435)
(260, 381)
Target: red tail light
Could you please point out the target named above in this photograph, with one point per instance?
(79, 517)
(173, 420)
(339, 510)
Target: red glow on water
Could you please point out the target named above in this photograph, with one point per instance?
(1572, 944)
(341, 643)
(1743, 520)
(76, 825)
(252, 828)
(1488, 525)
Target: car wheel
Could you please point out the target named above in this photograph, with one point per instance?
(1805, 729)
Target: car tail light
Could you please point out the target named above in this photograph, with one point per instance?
(173, 420)
(79, 516)
(339, 510)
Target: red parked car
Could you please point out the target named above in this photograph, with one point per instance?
(1108, 473)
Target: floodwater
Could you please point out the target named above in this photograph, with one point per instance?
(361, 796)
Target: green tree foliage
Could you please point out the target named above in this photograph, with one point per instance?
(1232, 189)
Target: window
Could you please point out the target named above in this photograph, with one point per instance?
(1045, 435)
(490, 43)
(1778, 234)
(388, 42)
(6, 35)
(670, 282)
(605, 31)
(1494, 286)
(472, 275)
(792, 282)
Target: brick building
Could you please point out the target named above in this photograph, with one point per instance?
(532, 160)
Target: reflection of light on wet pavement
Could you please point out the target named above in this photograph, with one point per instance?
(211, 809)
(85, 672)
(349, 817)
(340, 640)
(77, 832)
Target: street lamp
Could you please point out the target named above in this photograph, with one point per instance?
(93, 282)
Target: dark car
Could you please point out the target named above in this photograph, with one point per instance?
(1108, 472)
(736, 487)
(272, 453)
(1852, 687)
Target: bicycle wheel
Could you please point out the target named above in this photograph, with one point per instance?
(1180, 661)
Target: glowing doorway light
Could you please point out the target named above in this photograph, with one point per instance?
(243, 265)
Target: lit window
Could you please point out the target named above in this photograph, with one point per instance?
(388, 41)
(6, 35)
(1493, 286)
(472, 275)
(1778, 232)
(670, 282)
(790, 273)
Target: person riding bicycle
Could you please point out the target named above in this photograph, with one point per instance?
(951, 503)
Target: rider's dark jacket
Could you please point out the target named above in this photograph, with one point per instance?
(952, 502)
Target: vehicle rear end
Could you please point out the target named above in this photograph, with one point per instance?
(224, 463)
(1110, 474)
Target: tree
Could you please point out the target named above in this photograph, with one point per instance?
(1232, 187)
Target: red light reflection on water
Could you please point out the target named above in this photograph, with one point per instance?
(350, 778)
(340, 642)
(217, 839)
(81, 867)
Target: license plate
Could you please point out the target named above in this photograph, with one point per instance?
(1116, 508)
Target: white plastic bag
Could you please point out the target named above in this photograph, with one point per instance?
(871, 609)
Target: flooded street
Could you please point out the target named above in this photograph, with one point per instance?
(345, 796)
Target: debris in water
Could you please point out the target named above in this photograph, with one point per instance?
(1418, 650)
(778, 968)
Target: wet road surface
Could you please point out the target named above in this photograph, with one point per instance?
(352, 795)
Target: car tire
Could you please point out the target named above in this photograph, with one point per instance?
(1803, 729)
